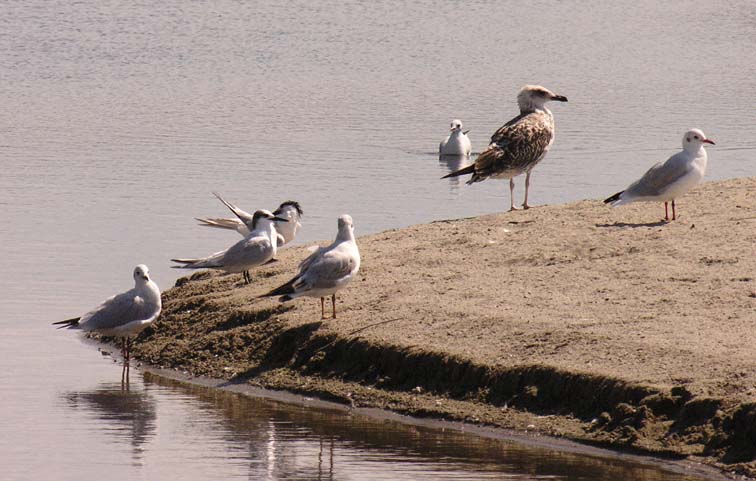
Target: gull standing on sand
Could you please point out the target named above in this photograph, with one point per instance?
(667, 181)
(325, 271)
(257, 248)
(289, 210)
(457, 142)
(125, 314)
(519, 144)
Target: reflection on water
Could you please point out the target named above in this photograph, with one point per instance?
(452, 164)
(126, 415)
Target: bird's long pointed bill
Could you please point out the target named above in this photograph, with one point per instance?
(559, 98)
(709, 141)
(280, 219)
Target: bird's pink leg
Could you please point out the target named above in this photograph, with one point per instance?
(673, 210)
(333, 304)
(666, 212)
(511, 195)
(525, 204)
(322, 307)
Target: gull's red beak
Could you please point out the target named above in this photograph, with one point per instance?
(708, 141)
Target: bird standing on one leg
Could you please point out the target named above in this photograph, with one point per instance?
(519, 144)
(125, 314)
(325, 271)
(664, 182)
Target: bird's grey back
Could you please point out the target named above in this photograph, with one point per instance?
(118, 311)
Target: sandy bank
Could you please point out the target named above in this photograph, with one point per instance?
(601, 325)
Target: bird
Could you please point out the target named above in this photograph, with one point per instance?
(289, 210)
(457, 142)
(123, 315)
(326, 271)
(518, 145)
(257, 248)
(664, 182)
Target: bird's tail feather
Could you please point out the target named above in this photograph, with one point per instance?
(614, 198)
(219, 223)
(285, 290)
(74, 321)
(465, 170)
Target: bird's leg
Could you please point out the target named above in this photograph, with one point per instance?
(673, 210)
(511, 195)
(123, 348)
(527, 186)
(246, 277)
(322, 307)
(127, 341)
(666, 212)
(333, 304)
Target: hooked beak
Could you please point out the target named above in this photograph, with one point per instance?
(280, 219)
(559, 98)
(708, 141)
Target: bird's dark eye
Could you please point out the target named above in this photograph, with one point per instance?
(695, 137)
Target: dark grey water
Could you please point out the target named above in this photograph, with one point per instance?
(120, 118)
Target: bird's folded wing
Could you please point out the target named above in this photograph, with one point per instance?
(658, 178)
(117, 311)
(329, 268)
(517, 145)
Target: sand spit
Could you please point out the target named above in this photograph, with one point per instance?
(601, 325)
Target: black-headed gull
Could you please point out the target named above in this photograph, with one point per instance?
(664, 182)
(457, 142)
(123, 315)
(325, 271)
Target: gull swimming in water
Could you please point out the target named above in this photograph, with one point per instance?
(287, 231)
(325, 271)
(257, 247)
(123, 315)
(667, 181)
(519, 144)
(457, 142)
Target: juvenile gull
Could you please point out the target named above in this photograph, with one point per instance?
(257, 247)
(287, 231)
(325, 271)
(519, 144)
(667, 181)
(125, 314)
(457, 142)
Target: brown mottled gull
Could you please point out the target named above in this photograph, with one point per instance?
(519, 144)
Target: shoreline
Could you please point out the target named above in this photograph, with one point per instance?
(532, 440)
(602, 326)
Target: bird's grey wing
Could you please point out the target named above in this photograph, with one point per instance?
(117, 311)
(305, 264)
(248, 251)
(656, 180)
(519, 144)
(245, 217)
(223, 223)
(329, 268)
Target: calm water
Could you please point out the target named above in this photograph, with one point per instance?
(120, 118)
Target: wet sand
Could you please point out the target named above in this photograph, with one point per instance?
(606, 326)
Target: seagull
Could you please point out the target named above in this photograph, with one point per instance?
(325, 271)
(287, 231)
(666, 181)
(519, 144)
(257, 247)
(457, 142)
(125, 314)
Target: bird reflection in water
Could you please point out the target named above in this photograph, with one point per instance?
(129, 416)
(454, 163)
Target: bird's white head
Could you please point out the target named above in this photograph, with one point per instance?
(262, 219)
(346, 228)
(456, 125)
(533, 97)
(694, 140)
(290, 210)
(141, 274)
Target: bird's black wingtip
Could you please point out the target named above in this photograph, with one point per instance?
(613, 198)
